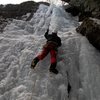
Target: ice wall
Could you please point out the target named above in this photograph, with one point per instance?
(78, 61)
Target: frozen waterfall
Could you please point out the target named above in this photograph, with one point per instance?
(78, 61)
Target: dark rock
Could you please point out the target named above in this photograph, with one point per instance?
(84, 15)
(91, 29)
(73, 10)
(16, 11)
(87, 8)
(66, 0)
(45, 3)
(90, 6)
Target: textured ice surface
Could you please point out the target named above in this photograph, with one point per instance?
(78, 61)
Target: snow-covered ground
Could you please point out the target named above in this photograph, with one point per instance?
(78, 61)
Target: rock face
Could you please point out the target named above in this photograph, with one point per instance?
(66, 0)
(90, 26)
(18, 11)
(90, 6)
(91, 29)
(72, 9)
(87, 7)
(13, 11)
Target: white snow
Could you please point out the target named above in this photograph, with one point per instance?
(78, 61)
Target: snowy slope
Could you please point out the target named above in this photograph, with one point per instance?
(78, 60)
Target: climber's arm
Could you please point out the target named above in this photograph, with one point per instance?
(46, 34)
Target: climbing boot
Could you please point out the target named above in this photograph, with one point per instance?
(34, 62)
(53, 68)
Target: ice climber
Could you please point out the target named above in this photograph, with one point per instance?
(52, 44)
